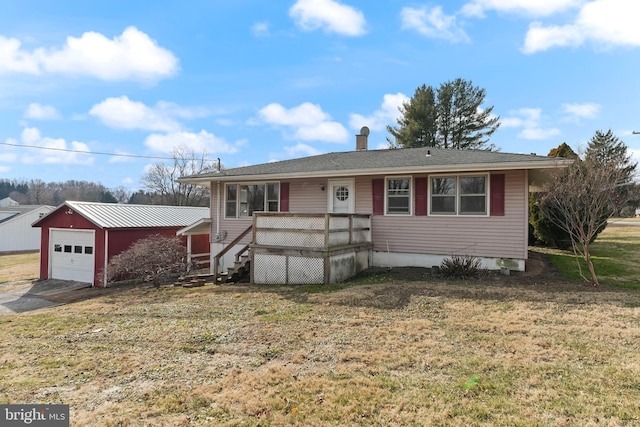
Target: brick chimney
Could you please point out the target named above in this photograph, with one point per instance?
(362, 139)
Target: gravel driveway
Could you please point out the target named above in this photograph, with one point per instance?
(28, 295)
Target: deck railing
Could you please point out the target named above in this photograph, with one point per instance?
(313, 231)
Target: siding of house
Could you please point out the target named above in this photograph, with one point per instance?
(494, 236)
(500, 236)
(305, 196)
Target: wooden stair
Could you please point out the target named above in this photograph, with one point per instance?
(194, 280)
(237, 273)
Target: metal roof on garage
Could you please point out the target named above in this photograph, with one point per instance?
(111, 215)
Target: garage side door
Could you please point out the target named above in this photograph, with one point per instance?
(71, 255)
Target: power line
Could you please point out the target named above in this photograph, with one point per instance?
(86, 152)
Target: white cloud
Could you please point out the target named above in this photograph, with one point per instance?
(133, 55)
(530, 120)
(307, 121)
(603, 22)
(433, 23)
(329, 15)
(202, 141)
(527, 7)
(587, 110)
(385, 115)
(542, 38)
(4, 169)
(301, 150)
(123, 113)
(41, 112)
(260, 29)
(325, 131)
(57, 150)
(14, 60)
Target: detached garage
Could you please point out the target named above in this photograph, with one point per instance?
(79, 238)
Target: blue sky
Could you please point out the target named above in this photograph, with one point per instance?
(252, 81)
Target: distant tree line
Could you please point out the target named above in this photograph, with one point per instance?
(38, 192)
(161, 186)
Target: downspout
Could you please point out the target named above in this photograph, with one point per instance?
(211, 254)
(526, 215)
(218, 210)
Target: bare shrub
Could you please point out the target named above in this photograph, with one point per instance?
(462, 267)
(154, 258)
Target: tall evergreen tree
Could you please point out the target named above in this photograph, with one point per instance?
(606, 148)
(417, 126)
(449, 117)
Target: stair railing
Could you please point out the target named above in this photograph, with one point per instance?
(216, 259)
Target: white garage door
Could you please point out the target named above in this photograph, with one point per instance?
(71, 255)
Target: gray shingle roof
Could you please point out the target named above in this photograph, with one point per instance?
(370, 161)
(111, 215)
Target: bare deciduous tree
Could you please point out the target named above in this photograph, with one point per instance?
(121, 194)
(154, 258)
(162, 178)
(580, 201)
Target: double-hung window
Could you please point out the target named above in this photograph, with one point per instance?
(459, 195)
(242, 200)
(398, 196)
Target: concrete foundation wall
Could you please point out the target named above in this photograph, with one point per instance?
(394, 259)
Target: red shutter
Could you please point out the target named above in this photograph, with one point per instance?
(377, 186)
(497, 195)
(284, 197)
(421, 196)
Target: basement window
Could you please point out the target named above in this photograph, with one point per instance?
(242, 200)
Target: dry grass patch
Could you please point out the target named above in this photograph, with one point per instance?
(497, 352)
(19, 266)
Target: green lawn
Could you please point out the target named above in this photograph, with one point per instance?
(616, 256)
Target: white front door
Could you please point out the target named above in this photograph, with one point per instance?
(342, 196)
